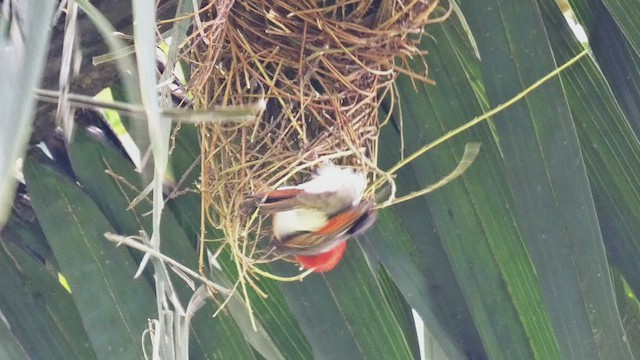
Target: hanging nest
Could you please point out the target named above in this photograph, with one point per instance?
(322, 67)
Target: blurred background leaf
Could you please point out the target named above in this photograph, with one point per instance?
(24, 38)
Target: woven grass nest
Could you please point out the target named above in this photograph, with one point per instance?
(322, 68)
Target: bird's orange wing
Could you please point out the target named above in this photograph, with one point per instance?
(336, 229)
(290, 198)
(273, 201)
(343, 221)
(280, 200)
(281, 194)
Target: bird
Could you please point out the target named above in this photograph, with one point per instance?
(312, 221)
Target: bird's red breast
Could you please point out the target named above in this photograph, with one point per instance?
(325, 261)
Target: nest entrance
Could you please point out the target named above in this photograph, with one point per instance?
(322, 67)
